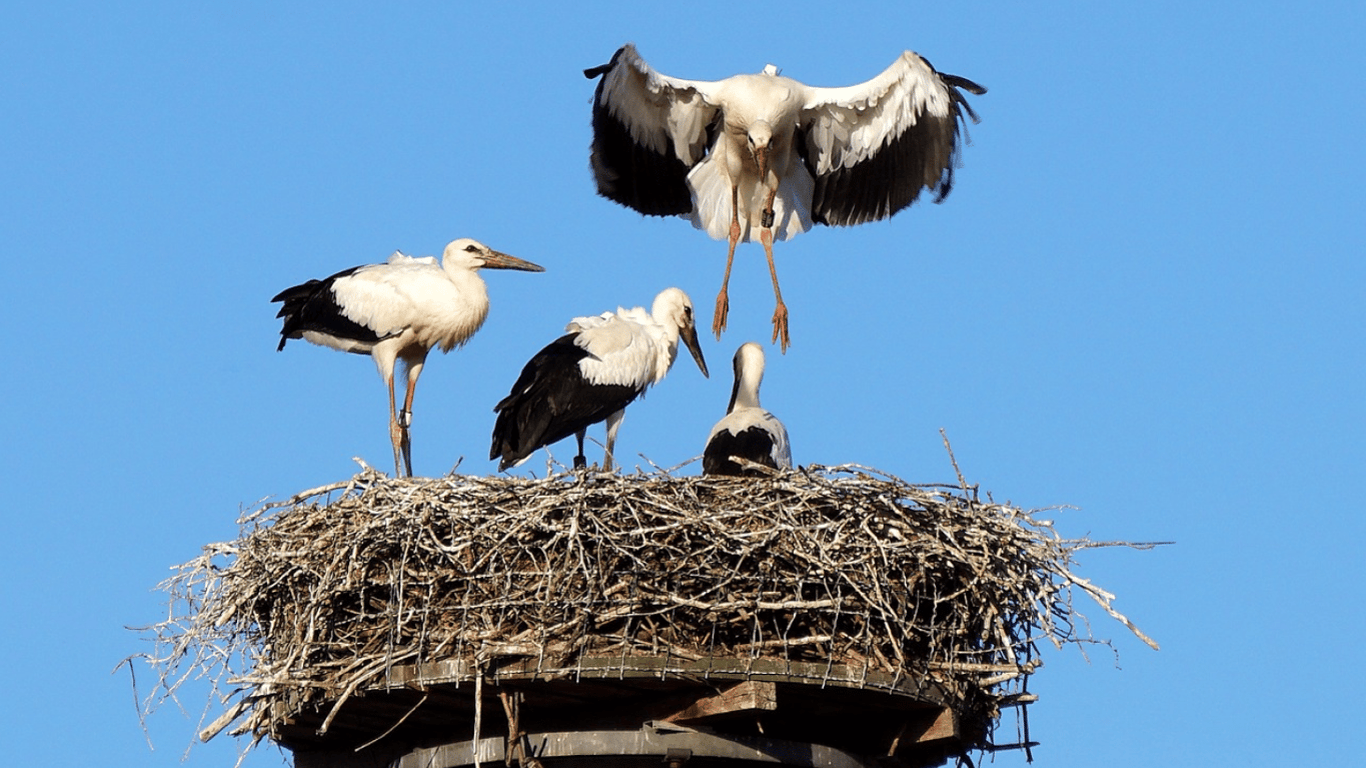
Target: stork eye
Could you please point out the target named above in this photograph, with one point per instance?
(471, 248)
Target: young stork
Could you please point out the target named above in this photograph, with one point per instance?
(747, 430)
(768, 153)
(590, 374)
(397, 311)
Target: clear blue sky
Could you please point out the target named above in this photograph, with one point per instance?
(1145, 298)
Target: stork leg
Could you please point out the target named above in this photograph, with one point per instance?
(405, 417)
(580, 462)
(396, 432)
(779, 312)
(718, 321)
(613, 424)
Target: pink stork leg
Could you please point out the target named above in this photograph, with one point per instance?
(405, 417)
(396, 432)
(718, 321)
(766, 237)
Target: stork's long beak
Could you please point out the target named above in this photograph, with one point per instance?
(689, 335)
(499, 260)
(761, 159)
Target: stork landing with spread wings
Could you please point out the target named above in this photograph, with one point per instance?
(768, 153)
(397, 311)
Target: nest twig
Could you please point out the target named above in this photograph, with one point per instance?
(325, 593)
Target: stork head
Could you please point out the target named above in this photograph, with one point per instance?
(673, 308)
(760, 135)
(472, 254)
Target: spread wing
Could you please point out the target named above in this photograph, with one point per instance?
(873, 147)
(648, 130)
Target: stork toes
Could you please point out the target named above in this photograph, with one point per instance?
(780, 326)
(718, 319)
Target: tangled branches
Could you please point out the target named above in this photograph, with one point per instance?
(326, 594)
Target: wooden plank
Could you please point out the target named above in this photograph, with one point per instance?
(743, 697)
(944, 726)
(936, 726)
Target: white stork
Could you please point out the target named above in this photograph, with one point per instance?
(747, 430)
(590, 374)
(398, 310)
(767, 152)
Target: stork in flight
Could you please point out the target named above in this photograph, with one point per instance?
(747, 431)
(397, 311)
(769, 153)
(591, 374)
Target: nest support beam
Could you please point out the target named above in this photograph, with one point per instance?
(745, 723)
(654, 744)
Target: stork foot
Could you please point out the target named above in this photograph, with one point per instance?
(780, 326)
(718, 320)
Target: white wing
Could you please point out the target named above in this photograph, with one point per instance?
(648, 130)
(620, 348)
(782, 449)
(668, 115)
(872, 147)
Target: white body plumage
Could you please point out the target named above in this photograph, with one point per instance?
(632, 347)
(407, 301)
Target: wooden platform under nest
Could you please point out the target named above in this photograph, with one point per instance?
(388, 615)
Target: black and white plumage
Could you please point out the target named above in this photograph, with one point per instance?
(397, 311)
(770, 153)
(591, 374)
(747, 431)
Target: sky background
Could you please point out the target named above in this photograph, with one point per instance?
(1145, 299)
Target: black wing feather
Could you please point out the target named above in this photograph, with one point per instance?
(312, 306)
(753, 443)
(551, 401)
(653, 183)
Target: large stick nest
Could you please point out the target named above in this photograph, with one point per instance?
(323, 594)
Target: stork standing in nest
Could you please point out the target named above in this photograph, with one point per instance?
(591, 374)
(747, 431)
(768, 153)
(397, 311)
